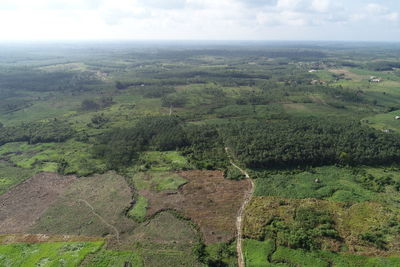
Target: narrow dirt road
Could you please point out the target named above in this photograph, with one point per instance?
(240, 215)
(102, 219)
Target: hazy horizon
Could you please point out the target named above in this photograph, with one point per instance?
(183, 20)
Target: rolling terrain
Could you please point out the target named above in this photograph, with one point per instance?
(239, 155)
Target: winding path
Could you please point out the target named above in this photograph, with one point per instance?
(240, 215)
(102, 219)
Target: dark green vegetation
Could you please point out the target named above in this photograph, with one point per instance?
(313, 124)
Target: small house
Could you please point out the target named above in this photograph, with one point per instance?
(375, 79)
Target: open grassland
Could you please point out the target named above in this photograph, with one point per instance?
(93, 206)
(46, 254)
(24, 204)
(362, 228)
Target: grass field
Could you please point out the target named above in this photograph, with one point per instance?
(385, 121)
(46, 254)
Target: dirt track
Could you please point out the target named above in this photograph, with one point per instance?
(240, 215)
(25, 203)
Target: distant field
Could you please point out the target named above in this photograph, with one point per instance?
(384, 121)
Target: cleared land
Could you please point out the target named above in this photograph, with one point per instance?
(209, 199)
(23, 205)
(166, 241)
(108, 196)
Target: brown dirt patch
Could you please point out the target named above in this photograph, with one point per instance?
(23, 205)
(210, 200)
(41, 238)
(93, 206)
(348, 74)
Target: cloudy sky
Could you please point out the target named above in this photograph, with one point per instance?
(373, 20)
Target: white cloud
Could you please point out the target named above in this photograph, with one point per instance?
(196, 19)
(321, 5)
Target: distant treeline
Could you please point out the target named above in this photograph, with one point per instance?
(36, 132)
(289, 53)
(275, 144)
(34, 80)
(310, 141)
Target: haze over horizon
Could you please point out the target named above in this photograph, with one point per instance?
(324, 20)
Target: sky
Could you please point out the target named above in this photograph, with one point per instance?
(336, 20)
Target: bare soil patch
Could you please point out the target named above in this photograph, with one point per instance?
(210, 200)
(23, 205)
(93, 206)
